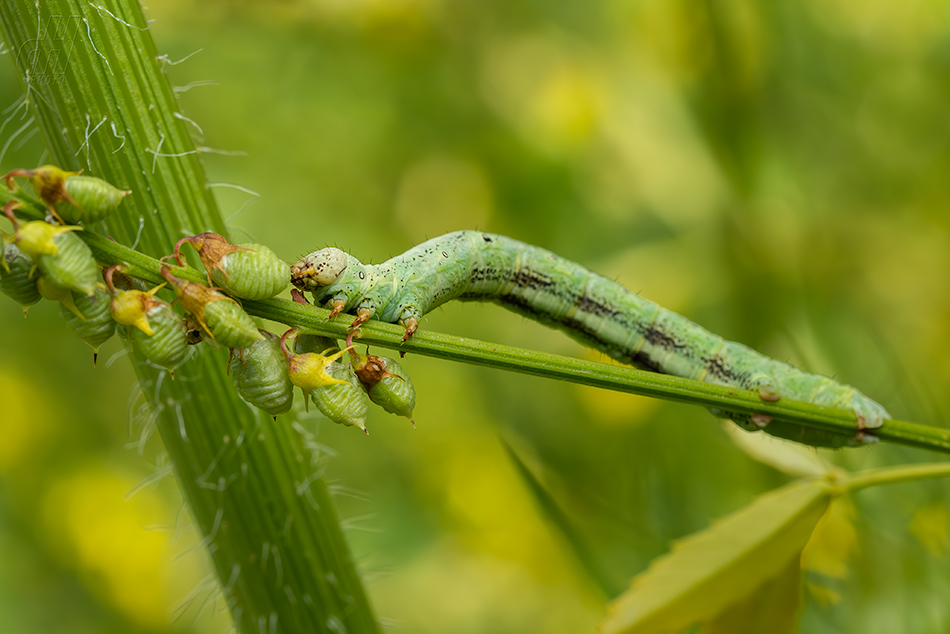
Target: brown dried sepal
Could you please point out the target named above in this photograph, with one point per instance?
(195, 297)
(370, 370)
(212, 248)
(49, 183)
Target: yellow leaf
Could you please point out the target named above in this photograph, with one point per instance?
(772, 607)
(833, 541)
(712, 570)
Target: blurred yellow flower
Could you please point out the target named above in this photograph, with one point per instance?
(99, 533)
(25, 425)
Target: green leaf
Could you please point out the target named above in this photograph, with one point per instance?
(710, 571)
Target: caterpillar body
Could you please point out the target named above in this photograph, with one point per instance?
(595, 310)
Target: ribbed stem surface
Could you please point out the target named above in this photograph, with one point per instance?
(96, 86)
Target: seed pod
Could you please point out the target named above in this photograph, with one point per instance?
(60, 255)
(229, 325)
(18, 276)
(73, 198)
(95, 325)
(344, 402)
(309, 370)
(314, 343)
(387, 383)
(221, 317)
(55, 293)
(249, 270)
(168, 343)
(125, 282)
(260, 376)
(152, 326)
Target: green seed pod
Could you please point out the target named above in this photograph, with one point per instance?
(18, 276)
(96, 325)
(314, 343)
(249, 270)
(344, 402)
(260, 376)
(152, 326)
(256, 273)
(60, 255)
(167, 344)
(93, 199)
(125, 282)
(56, 293)
(387, 383)
(221, 317)
(230, 325)
(73, 198)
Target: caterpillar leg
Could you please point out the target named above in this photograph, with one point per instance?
(409, 318)
(362, 316)
(364, 312)
(411, 325)
(338, 306)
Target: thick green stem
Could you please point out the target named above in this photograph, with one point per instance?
(95, 84)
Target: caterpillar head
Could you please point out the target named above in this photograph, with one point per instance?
(319, 269)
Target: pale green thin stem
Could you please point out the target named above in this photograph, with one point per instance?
(894, 475)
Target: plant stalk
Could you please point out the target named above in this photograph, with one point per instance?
(96, 87)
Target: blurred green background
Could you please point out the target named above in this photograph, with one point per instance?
(775, 171)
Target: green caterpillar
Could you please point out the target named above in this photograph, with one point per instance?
(595, 310)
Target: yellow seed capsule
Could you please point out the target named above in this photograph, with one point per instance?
(310, 370)
(129, 308)
(151, 325)
(249, 270)
(35, 238)
(260, 376)
(61, 255)
(221, 317)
